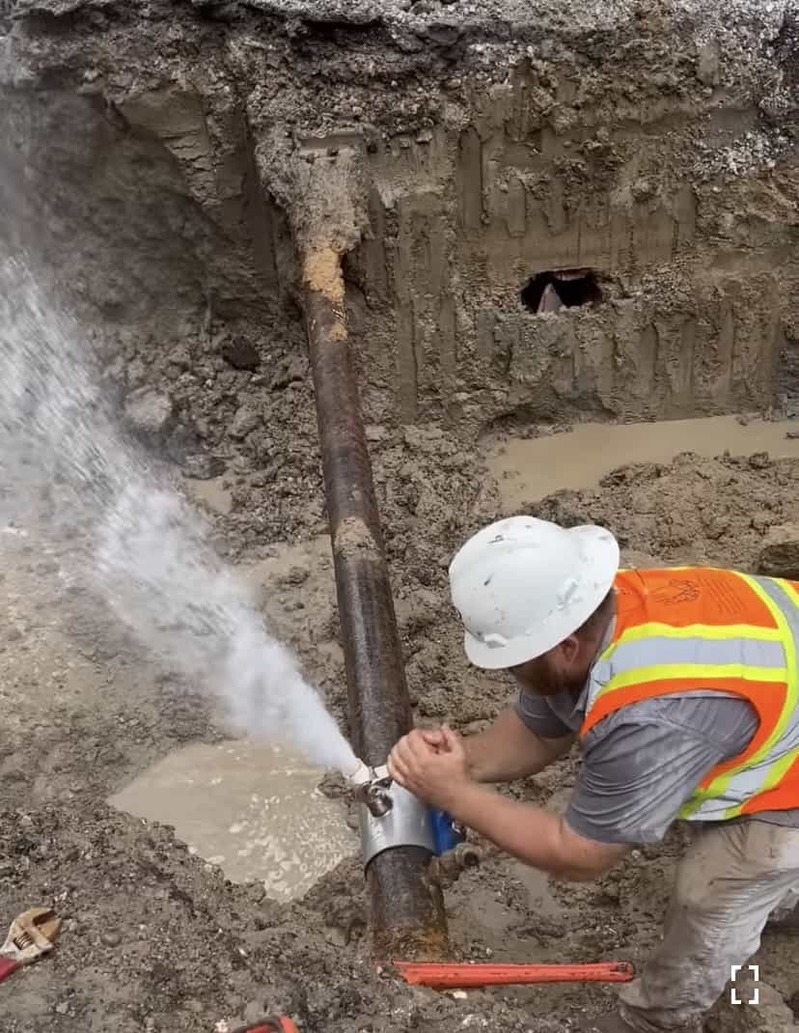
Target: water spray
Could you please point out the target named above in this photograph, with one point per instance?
(132, 537)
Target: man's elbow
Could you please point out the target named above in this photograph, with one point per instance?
(589, 866)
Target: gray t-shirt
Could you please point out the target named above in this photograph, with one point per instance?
(641, 763)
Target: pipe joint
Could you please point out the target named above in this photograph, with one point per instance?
(371, 788)
(405, 822)
(375, 795)
(448, 867)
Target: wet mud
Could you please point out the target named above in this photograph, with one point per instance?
(85, 715)
(157, 159)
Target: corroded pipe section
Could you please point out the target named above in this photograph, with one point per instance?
(407, 913)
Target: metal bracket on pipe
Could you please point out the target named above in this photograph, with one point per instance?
(406, 823)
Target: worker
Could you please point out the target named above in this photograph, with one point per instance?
(680, 685)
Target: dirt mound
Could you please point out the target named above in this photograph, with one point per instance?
(693, 510)
(714, 511)
(156, 940)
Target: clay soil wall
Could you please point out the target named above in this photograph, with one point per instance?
(651, 146)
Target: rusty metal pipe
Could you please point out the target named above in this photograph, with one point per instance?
(407, 912)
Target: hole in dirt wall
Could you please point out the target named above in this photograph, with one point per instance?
(564, 288)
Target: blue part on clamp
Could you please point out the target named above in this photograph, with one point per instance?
(446, 835)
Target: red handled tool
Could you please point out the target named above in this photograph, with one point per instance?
(451, 977)
(276, 1024)
(32, 934)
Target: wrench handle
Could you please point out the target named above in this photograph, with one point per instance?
(7, 966)
(444, 976)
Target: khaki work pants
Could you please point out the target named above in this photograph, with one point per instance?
(729, 882)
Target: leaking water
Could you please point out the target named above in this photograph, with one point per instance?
(146, 550)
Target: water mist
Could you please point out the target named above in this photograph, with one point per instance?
(147, 550)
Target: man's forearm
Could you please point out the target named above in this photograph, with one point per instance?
(533, 835)
(509, 750)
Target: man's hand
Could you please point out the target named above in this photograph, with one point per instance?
(431, 764)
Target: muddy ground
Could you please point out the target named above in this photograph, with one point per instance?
(157, 939)
(155, 163)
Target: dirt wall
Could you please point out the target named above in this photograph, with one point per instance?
(651, 146)
(691, 270)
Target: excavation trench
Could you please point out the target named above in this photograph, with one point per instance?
(556, 226)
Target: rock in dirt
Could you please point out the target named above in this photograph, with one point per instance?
(202, 467)
(292, 369)
(240, 354)
(149, 412)
(779, 556)
(246, 420)
(182, 442)
(708, 64)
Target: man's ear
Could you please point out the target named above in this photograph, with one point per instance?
(569, 648)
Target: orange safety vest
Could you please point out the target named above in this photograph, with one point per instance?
(686, 628)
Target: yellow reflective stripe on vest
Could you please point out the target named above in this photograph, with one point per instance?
(698, 797)
(710, 631)
(775, 772)
(713, 672)
(789, 590)
(792, 695)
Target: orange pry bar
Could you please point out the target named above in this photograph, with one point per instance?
(455, 976)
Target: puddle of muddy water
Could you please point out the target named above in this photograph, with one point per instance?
(211, 493)
(530, 469)
(250, 809)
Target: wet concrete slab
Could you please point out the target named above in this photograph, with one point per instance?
(251, 809)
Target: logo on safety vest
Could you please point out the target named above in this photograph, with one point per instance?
(678, 590)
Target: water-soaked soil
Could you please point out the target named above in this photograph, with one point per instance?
(156, 159)
(155, 938)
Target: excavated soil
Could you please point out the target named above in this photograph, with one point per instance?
(161, 161)
(157, 939)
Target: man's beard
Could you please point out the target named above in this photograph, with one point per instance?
(542, 677)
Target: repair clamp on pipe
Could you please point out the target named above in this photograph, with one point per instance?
(391, 817)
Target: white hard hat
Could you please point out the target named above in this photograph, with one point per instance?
(522, 585)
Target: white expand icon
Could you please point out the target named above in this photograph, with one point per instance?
(755, 998)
